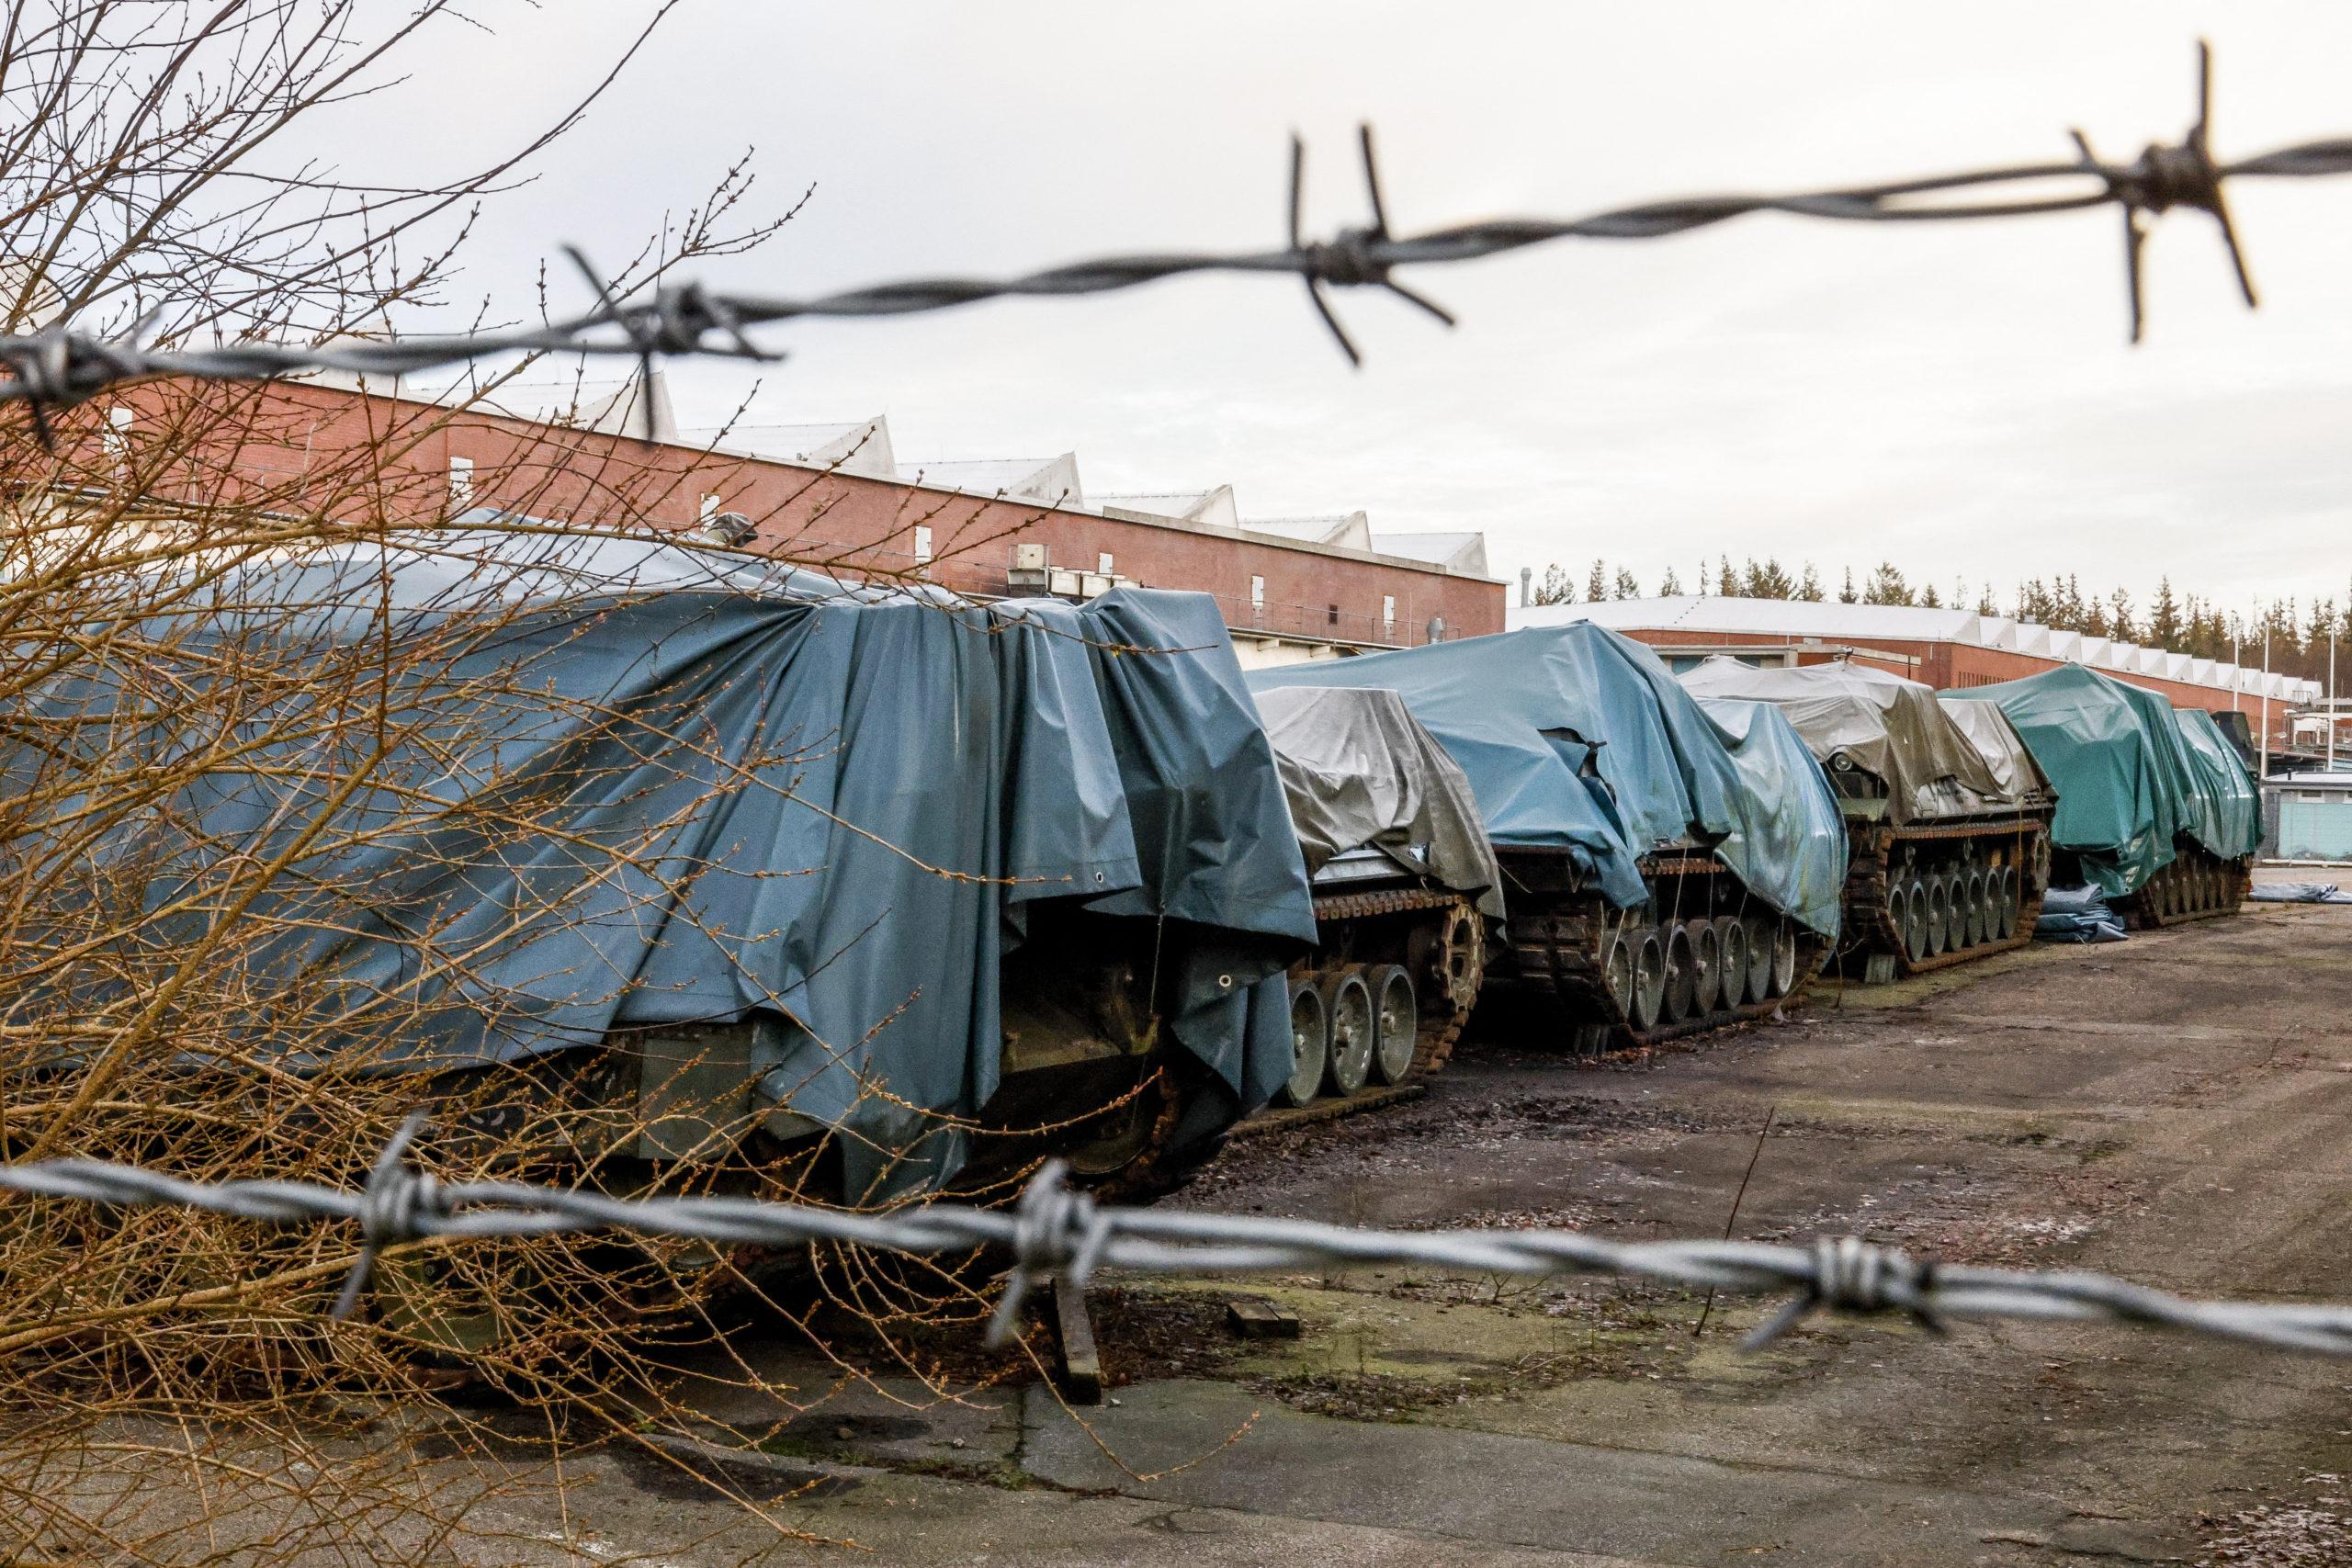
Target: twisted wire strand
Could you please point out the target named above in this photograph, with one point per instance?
(1056, 1230)
(60, 367)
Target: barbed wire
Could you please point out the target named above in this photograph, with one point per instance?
(1055, 1230)
(60, 367)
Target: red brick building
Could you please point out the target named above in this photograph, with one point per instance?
(836, 499)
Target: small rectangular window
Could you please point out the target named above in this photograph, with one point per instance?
(1257, 592)
(461, 482)
(1103, 563)
(1387, 610)
(1334, 615)
(922, 541)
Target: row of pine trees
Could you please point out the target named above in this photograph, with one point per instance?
(2300, 637)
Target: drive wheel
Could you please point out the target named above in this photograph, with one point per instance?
(1310, 1042)
(1349, 1002)
(1731, 944)
(1396, 1019)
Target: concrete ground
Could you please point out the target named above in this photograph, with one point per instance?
(2173, 1109)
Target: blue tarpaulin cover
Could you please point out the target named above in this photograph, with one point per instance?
(750, 798)
(2130, 775)
(1578, 738)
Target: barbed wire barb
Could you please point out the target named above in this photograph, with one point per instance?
(1056, 1230)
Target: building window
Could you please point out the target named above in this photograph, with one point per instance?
(1334, 615)
(1388, 612)
(1257, 592)
(1103, 563)
(922, 541)
(709, 508)
(118, 434)
(461, 483)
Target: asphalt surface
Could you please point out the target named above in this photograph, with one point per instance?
(2173, 1109)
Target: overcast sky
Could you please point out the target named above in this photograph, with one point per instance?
(1958, 399)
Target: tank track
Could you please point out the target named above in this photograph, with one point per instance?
(1439, 1029)
(1556, 953)
(1875, 851)
(2198, 884)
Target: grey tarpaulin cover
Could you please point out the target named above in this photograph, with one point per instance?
(836, 810)
(1577, 738)
(2003, 748)
(1360, 771)
(1879, 722)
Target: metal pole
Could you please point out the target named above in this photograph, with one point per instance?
(2264, 771)
(2237, 676)
(2331, 699)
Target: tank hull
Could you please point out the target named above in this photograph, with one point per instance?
(1599, 978)
(1928, 896)
(2197, 886)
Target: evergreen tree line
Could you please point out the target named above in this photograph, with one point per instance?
(2299, 635)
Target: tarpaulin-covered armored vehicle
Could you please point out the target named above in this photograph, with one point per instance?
(1948, 835)
(1669, 866)
(704, 863)
(1404, 885)
(2153, 808)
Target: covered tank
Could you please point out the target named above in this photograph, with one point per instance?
(1947, 818)
(2154, 809)
(1668, 868)
(1404, 883)
(680, 861)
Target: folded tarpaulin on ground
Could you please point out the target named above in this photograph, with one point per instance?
(2297, 893)
(1855, 716)
(1360, 772)
(676, 785)
(2077, 914)
(1577, 738)
(2129, 775)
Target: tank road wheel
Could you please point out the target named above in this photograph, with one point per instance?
(1349, 1001)
(1396, 1015)
(1938, 916)
(1980, 911)
(1310, 1042)
(2166, 892)
(1681, 985)
(1730, 946)
(1915, 925)
(2003, 893)
(1759, 957)
(1706, 966)
(1617, 967)
(1898, 914)
(1785, 957)
(1649, 980)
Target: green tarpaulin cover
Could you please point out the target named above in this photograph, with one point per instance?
(2129, 775)
(1578, 738)
(737, 800)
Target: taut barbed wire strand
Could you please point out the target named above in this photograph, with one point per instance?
(60, 367)
(1056, 1230)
